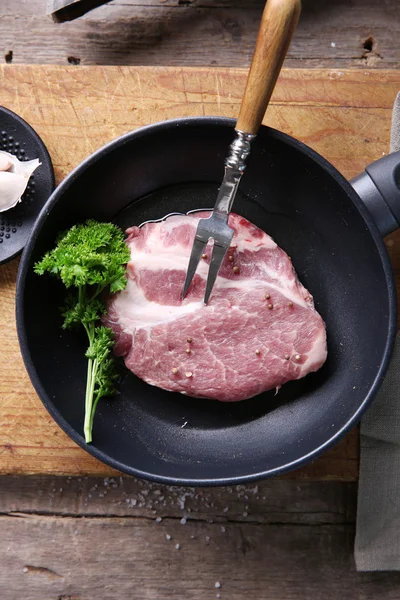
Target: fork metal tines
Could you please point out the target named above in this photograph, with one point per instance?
(217, 228)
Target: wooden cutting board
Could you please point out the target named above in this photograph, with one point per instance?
(344, 115)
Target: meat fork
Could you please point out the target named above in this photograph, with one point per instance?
(278, 24)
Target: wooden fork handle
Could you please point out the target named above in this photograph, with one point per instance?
(277, 27)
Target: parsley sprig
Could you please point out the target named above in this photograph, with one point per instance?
(90, 258)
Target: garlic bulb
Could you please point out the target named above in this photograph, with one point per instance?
(14, 177)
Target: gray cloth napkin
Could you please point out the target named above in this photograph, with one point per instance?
(377, 545)
(395, 132)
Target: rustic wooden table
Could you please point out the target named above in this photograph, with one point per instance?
(71, 528)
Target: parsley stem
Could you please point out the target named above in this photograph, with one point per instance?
(92, 372)
(93, 411)
(87, 432)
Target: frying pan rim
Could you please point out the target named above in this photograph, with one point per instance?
(118, 465)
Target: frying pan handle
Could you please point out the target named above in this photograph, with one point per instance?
(379, 188)
(278, 23)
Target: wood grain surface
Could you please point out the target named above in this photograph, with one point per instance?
(345, 115)
(331, 33)
(66, 538)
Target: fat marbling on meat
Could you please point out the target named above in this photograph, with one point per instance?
(259, 330)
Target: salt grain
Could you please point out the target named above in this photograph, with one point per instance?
(168, 537)
(25, 570)
(177, 546)
(183, 521)
(223, 529)
(158, 520)
(217, 584)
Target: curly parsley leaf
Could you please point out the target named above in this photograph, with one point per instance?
(90, 257)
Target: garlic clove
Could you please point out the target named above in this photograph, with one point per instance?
(12, 186)
(5, 163)
(14, 179)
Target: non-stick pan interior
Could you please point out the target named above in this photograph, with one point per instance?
(307, 208)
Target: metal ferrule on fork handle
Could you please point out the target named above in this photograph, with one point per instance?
(239, 151)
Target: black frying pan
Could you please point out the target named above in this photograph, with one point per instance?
(337, 249)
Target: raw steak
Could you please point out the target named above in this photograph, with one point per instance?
(259, 330)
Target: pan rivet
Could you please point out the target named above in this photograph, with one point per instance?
(270, 306)
(189, 340)
(258, 352)
(267, 296)
(203, 256)
(287, 356)
(189, 374)
(231, 258)
(174, 371)
(236, 269)
(290, 304)
(297, 357)
(188, 350)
